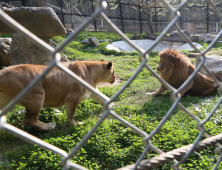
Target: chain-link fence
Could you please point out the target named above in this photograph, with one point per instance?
(197, 17)
(144, 57)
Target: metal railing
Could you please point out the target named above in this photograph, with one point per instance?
(144, 57)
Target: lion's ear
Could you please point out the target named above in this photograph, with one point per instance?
(102, 60)
(110, 64)
(172, 57)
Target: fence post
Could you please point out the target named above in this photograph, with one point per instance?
(141, 29)
(180, 16)
(63, 21)
(95, 18)
(23, 2)
(156, 17)
(207, 17)
(121, 14)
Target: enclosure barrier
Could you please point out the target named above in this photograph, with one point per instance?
(144, 57)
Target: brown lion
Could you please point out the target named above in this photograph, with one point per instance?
(175, 68)
(55, 90)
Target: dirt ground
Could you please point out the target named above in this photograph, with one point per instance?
(117, 82)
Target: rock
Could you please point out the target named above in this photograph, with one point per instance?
(213, 63)
(132, 37)
(186, 33)
(41, 21)
(64, 59)
(208, 38)
(93, 41)
(85, 41)
(149, 33)
(23, 51)
(174, 34)
(5, 44)
(202, 37)
(135, 36)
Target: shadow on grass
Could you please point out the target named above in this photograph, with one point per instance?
(158, 106)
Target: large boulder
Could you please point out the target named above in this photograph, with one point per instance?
(85, 41)
(208, 38)
(213, 63)
(23, 51)
(5, 44)
(5, 52)
(93, 41)
(41, 21)
(135, 36)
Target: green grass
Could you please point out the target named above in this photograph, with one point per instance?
(5, 35)
(113, 145)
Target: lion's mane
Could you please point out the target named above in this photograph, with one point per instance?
(183, 68)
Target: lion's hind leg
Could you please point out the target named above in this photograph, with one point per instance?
(33, 105)
(4, 100)
(209, 91)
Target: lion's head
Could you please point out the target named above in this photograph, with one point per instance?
(109, 71)
(173, 63)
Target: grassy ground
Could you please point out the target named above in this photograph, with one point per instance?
(113, 145)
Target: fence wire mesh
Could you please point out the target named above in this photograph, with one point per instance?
(144, 57)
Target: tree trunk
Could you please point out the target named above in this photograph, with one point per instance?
(151, 25)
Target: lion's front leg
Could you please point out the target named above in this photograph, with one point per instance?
(71, 105)
(156, 93)
(188, 87)
(98, 99)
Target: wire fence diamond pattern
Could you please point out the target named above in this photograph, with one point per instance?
(144, 57)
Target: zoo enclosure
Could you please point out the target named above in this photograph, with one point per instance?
(197, 17)
(144, 57)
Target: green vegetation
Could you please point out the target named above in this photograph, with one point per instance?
(5, 35)
(113, 145)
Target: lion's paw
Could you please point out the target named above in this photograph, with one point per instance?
(112, 104)
(78, 123)
(150, 94)
(51, 126)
